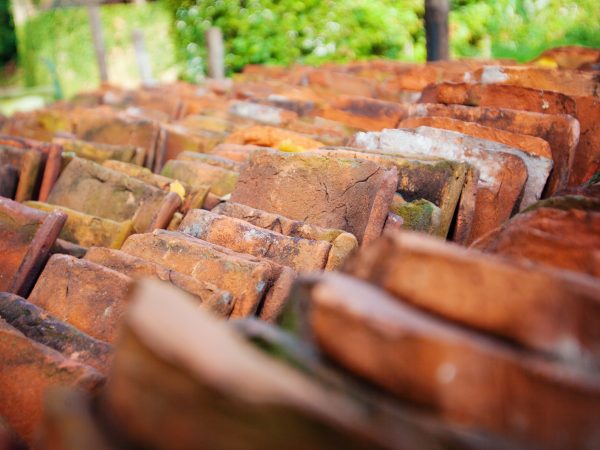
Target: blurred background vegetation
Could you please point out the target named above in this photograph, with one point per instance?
(55, 45)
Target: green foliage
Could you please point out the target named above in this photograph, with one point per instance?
(62, 38)
(308, 31)
(314, 31)
(8, 43)
(522, 29)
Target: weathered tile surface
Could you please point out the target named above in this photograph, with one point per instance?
(27, 371)
(212, 298)
(298, 253)
(548, 310)
(502, 176)
(348, 194)
(86, 295)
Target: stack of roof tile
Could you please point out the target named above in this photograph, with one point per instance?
(408, 255)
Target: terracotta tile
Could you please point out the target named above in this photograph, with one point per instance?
(175, 139)
(248, 279)
(99, 153)
(93, 189)
(39, 326)
(221, 379)
(568, 57)
(547, 310)
(235, 152)
(51, 156)
(238, 235)
(26, 236)
(212, 298)
(538, 168)
(211, 159)
(29, 165)
(526, 143)
(87, 230)
(500, 96)
(27, 370)
(502, 176)
(265, 114)
(221, 181)
(265, 136)
(83, 294)
(40, 125)
(348, 194)
(567, 239)
(342, 242)
(560, 131)
(436, 180)
(467, 378)
(581, 86)
(191, 197)
(70, 423)
(109, 128)
(364, 113)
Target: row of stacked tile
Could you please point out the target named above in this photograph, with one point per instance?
(409, 256)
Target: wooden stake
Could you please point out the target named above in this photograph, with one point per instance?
(142, 57)
(436, 29)
(216, 53)
(98, 39)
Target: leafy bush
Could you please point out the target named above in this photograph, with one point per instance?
(314, 31)
(308, 31)
(8, 44)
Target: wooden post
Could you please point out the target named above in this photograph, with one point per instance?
(216, 53)
(22, 10)
(143, 60)
(436, 29)
(98, 40)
